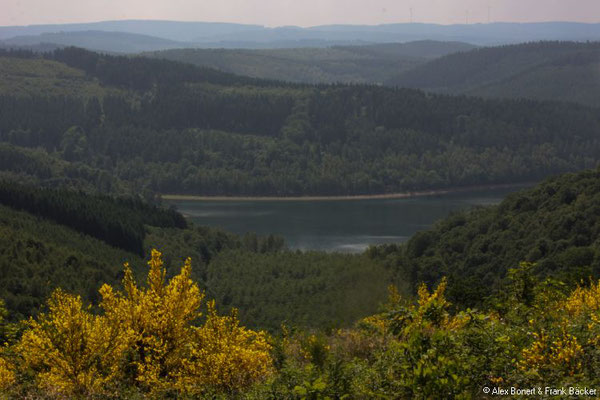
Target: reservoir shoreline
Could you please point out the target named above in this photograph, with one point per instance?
(403, 195)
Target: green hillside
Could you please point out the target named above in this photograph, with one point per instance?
(177, 128)
(339, 64)
(555, 225)
(39, 255)
(565, 71)
(570, 78)
(297, 288)
(39, 77)
(39, 167)
(58, 238)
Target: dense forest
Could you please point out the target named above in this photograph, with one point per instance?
(39, 255)
(563, 71)
(554, 225)
(118, 222)
(150, 125)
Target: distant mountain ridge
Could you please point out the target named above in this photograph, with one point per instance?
(172, 30)
(228, 35)
(115, 42)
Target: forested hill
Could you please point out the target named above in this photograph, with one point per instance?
(566, 71)
(162, 126)
(555, 225)
(375, 63)
(53, 238)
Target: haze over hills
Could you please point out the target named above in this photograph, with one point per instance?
(115, 42)
(126, 42)
(172, 30)
(375, 63)
(224, 35)
(479, 34)
(543, 70)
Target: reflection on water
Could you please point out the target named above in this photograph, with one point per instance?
(336, 225)
(232, 213)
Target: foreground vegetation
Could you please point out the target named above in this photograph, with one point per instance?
(144, 341)
(153, 342)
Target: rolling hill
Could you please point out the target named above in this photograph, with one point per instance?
(27, 77)
(566, 71)
(112, 42)
(346, 64)
(168, 127)
(555, 225)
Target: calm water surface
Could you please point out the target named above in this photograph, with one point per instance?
(336, 225)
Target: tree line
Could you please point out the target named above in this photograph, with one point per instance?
(118, 222)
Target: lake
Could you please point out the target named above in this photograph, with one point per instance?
(336, 225)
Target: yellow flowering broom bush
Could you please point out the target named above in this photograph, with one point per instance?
(70, 350)
(226, 356)
(566, 344)
(160, 318)
(146, 338)
(7, 333)
(7, 375)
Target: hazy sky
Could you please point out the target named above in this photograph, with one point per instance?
(298, 12)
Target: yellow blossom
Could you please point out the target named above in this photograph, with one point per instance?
(563, 353)
(146, 337)
(73, 351)
(7, 375)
